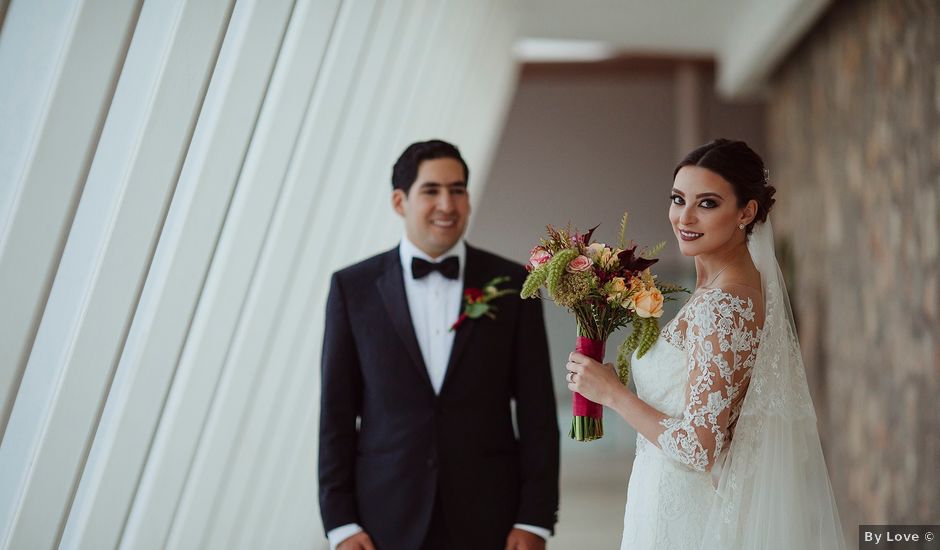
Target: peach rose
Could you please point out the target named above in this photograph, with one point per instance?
(636, 285)
(579, 265)
(617, 284)
(616, 290)
(648, 303)
(539, 257)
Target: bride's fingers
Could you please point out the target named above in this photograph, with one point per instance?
(579, 358)
(582, 362)
(572, 379)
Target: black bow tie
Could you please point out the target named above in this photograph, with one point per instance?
(449, 268)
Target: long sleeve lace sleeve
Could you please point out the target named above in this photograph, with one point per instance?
(722, 332)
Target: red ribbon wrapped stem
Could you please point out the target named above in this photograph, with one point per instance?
(579, 404)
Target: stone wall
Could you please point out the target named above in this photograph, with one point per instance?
(854, 150)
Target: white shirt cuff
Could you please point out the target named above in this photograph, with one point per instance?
(540, 531)
(342, 533)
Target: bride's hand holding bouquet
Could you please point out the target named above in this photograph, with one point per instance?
(594, 381)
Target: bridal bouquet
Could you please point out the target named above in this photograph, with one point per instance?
(606, 288)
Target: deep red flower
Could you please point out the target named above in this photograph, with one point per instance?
(634, 263)
(473, 294)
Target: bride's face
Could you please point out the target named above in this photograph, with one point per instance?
(704, 212)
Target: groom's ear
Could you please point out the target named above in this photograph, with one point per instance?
(398, 201)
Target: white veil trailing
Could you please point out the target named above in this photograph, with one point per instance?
(773, 490)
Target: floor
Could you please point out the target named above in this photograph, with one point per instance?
(593, 489)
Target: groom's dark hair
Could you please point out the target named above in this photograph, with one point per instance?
(405, 171)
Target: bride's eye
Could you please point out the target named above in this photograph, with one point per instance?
(708, 203)
(676, 199)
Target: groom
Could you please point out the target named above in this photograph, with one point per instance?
(417, 442)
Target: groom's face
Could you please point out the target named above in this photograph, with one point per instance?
(437, 206)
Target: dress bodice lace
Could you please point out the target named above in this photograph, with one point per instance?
(697, 375)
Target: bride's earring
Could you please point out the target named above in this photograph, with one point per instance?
(740, 226)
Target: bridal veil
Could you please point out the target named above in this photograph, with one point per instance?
(773, 489)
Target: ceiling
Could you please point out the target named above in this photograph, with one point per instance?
(746, 38)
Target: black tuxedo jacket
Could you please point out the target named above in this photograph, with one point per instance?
(389, 444)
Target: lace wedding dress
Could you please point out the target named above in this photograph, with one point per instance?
(738, 463)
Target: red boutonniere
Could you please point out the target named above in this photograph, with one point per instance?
(476, 302)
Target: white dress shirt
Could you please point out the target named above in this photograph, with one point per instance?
(435, 303)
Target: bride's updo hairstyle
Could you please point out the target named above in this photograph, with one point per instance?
(740, 166)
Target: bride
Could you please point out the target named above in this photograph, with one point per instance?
(728, 454)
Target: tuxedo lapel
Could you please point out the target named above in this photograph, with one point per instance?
(391, 287)
(473, 276)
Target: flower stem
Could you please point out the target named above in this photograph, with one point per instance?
(585, 428)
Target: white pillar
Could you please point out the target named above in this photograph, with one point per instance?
(180, 178)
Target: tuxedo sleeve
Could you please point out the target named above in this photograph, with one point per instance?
(340, 405)
(536, 417)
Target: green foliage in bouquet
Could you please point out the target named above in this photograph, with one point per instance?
(556, 269)
(535, 280)
(641, 339)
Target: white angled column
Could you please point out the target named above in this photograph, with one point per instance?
(189, 235)
(58, 64)
(103, 265)
(180, 178)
